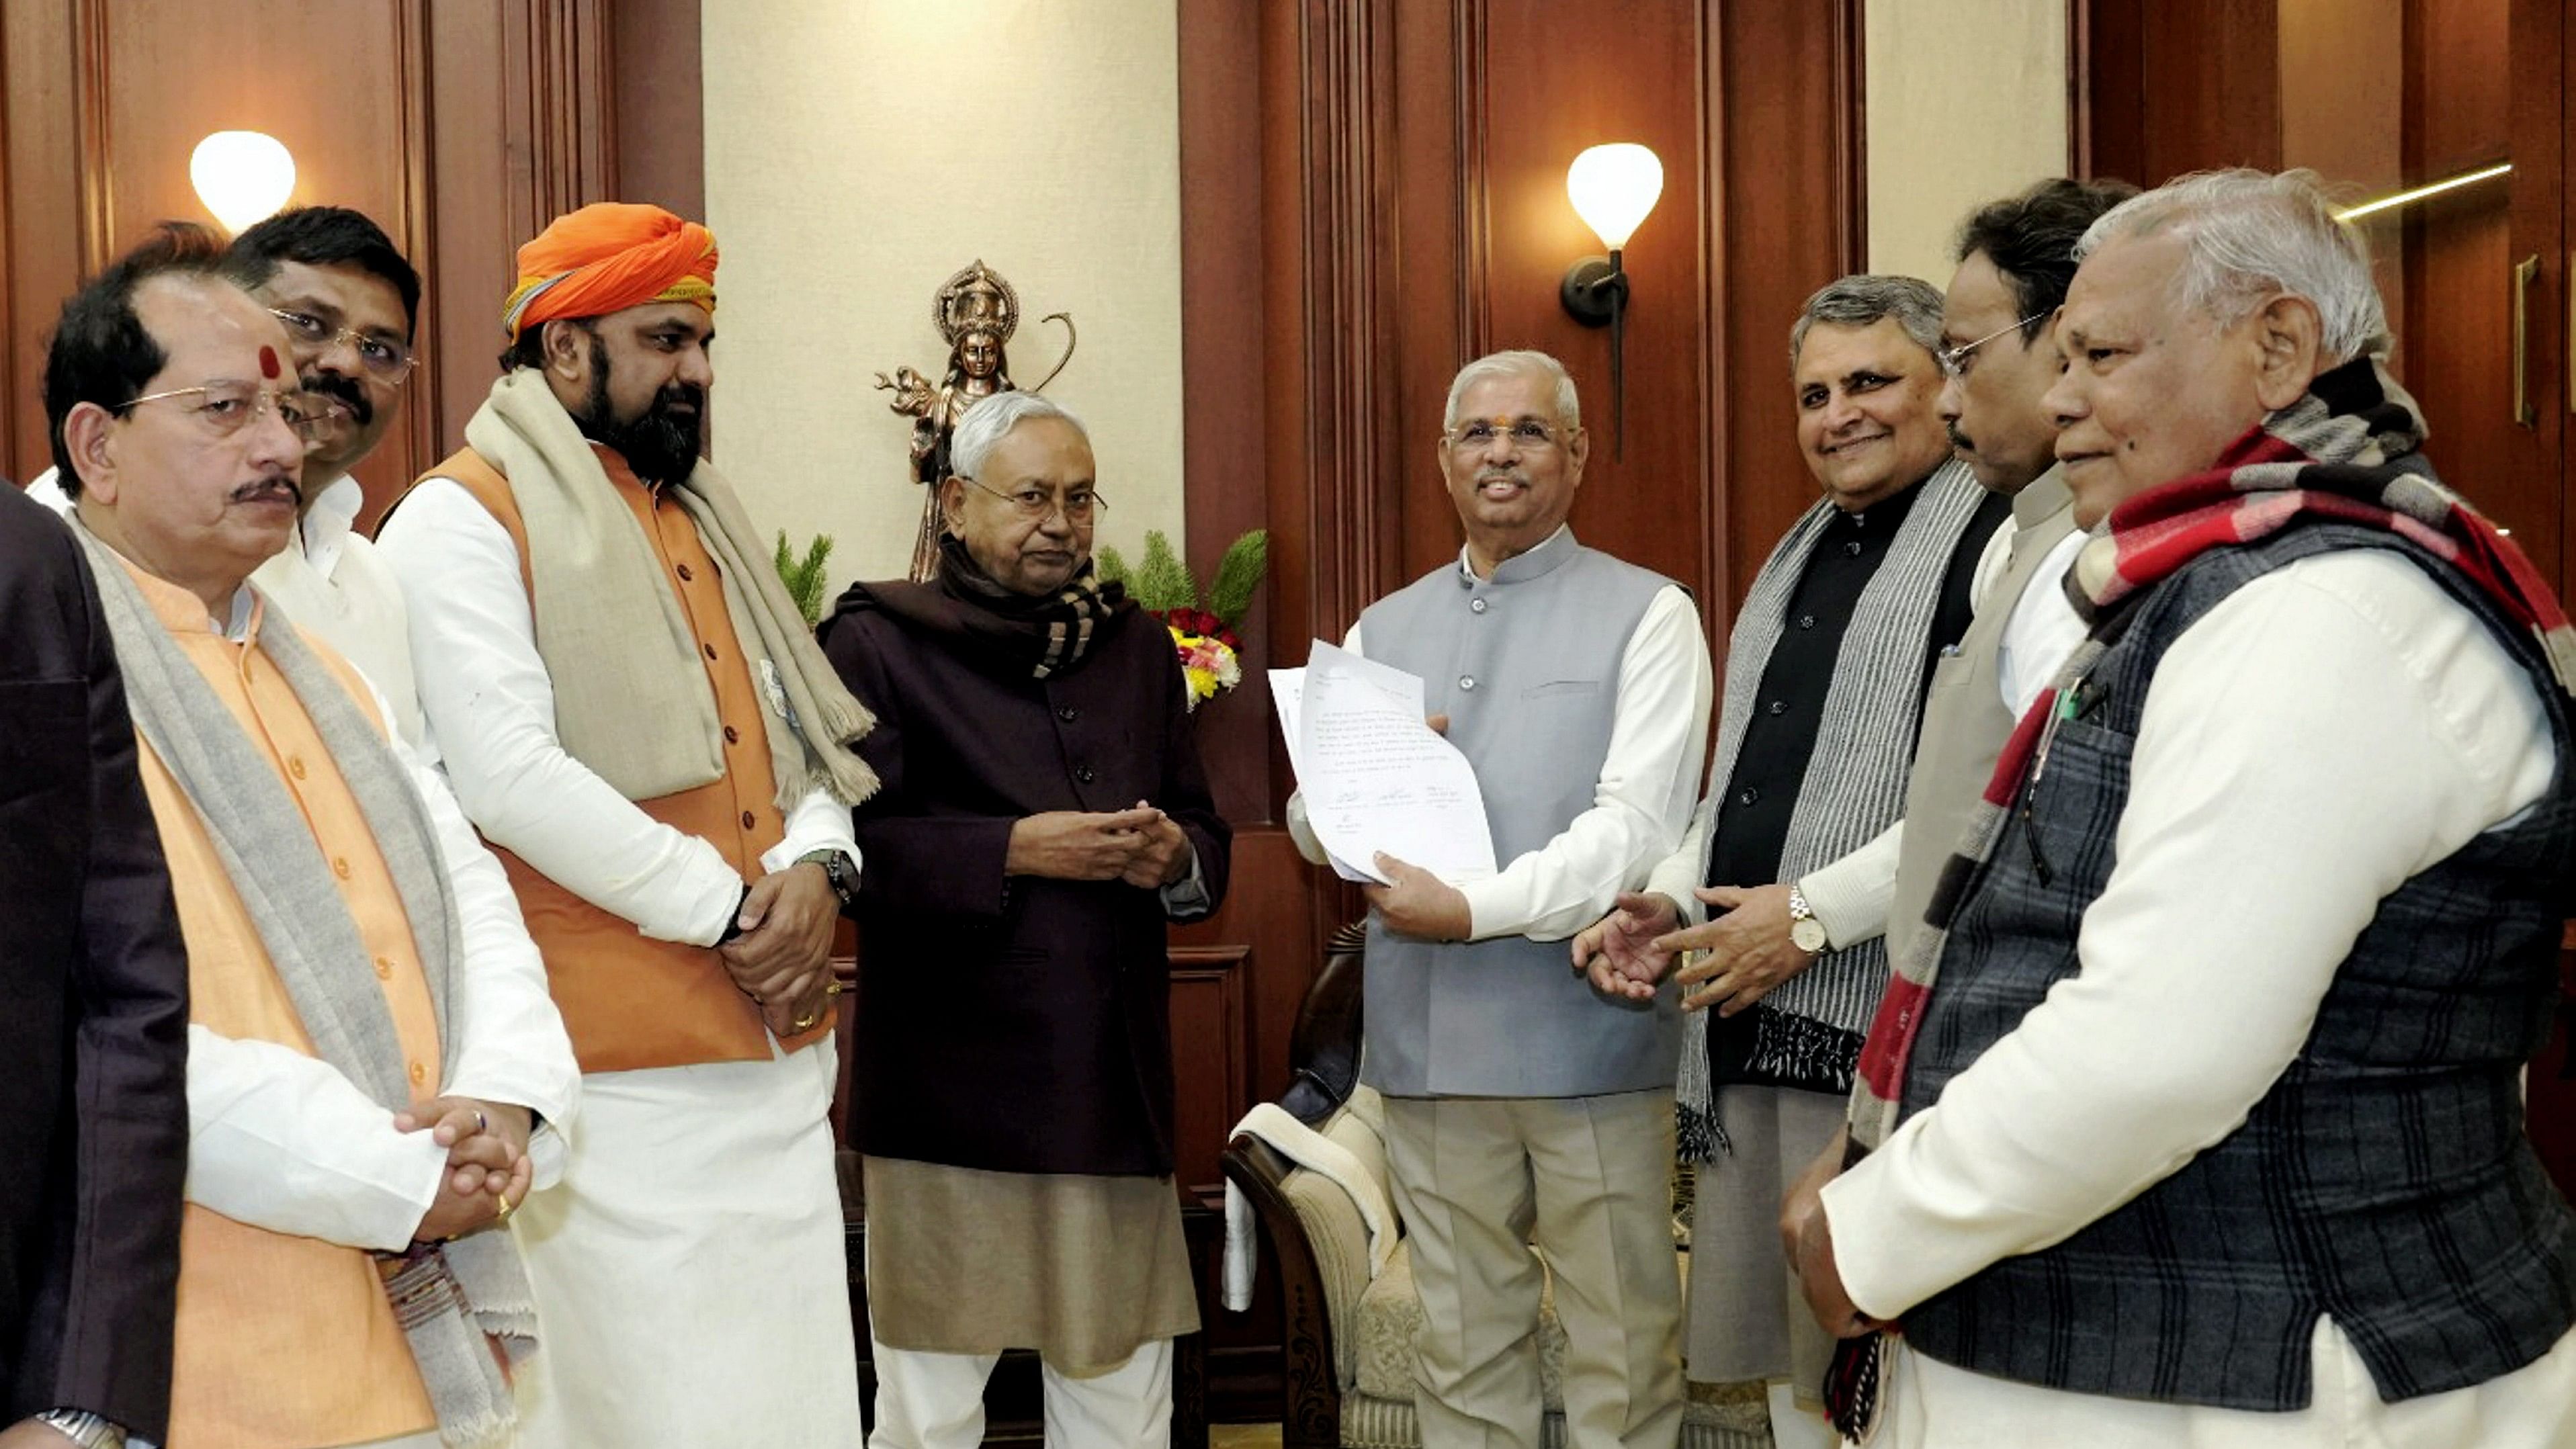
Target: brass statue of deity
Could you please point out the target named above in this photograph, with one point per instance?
(976, 312)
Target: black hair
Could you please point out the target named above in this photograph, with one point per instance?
(2031, 239)
(101, 352)
(325, 236)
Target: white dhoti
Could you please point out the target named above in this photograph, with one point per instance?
(1934, 1405)
(689, 1274)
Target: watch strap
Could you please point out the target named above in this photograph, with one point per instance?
(836, 869)
(85, 1428)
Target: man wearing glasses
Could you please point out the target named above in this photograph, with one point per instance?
(635, 714)
(375, 1076)
(348, 301)
(1826, 671)
(1519, 1108)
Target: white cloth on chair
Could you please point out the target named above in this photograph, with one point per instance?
(1316, 1153)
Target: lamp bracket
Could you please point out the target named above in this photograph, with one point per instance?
(1594, 288)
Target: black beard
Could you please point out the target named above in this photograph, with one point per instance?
(347, 390)
(662, 445)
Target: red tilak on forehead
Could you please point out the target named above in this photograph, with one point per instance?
(268, 367)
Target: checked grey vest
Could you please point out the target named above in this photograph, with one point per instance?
(2384, 1180)
(1526, 666)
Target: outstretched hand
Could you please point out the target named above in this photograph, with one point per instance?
(1618, 952)
(1748, 946)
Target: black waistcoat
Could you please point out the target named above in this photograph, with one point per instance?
(2384, 1180)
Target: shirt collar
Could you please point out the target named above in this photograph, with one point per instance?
(327, 524)
(1887, 514)
(1550, 552)
(182, 612)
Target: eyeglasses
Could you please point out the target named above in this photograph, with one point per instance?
(1955, 361)
(1526, 434)
(1080, 506)
(228, 407)
(387, 359)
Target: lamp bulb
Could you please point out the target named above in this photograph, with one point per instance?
(243, 177)
(1613, 187)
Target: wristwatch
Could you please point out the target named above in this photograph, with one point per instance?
(1805, 931)
(90, 1431)
(836, 869)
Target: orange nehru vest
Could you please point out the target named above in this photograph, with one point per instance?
(283, 1341)
(630, 1001)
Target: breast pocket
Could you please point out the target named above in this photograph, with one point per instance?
(1561, 689)
(42, 729)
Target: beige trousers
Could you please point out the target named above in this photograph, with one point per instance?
(1588, 1181)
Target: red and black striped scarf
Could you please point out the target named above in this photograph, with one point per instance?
(2347, 452)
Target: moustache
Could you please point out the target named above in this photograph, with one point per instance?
(681, 395)
(343, 389)
(259, 489)
(1961, 441)
(1497, 475)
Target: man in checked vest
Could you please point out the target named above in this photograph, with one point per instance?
(1825, 679)
(636, 716)
(375, 1075)
(2195, 1102)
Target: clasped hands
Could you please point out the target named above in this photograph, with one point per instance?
(782, 959)
(1626, 953)
(488, 1172)
(1142, 847)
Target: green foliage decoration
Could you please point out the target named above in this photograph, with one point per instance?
(1161, 582)
(806, 582)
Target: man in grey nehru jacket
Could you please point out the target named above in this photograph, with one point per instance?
(1521, 1107)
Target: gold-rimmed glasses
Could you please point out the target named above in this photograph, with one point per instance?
(1477, 434)
(226, 407)
(1081, 505)
(388, 359)
(1955, 361)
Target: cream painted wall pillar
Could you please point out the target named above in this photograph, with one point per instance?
(858, 153)
(1966, 103)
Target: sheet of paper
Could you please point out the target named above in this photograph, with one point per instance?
(1376, 778)
(1288, 694)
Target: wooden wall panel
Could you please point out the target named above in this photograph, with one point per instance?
(1211, 1035)
(2176, 85)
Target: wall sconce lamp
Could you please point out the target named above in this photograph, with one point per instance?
(243, 177)
(1612, 187)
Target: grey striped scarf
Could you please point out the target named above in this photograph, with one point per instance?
(449, 1297)
(1855, 782)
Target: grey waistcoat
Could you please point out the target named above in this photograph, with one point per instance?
(1964, 723)
(2384, 1179)
(1526, 666)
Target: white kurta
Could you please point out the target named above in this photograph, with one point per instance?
(690, 1276)
(2325, 733)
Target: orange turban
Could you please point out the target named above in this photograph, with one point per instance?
(607, 257)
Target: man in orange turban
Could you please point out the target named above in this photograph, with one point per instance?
(636, 716)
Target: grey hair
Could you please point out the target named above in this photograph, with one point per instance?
(1858, 301)
(1500, 364)
(2248, 234)
(989, 421)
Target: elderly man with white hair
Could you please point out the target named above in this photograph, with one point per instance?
(2195, 1110)
(1520, 1108)
(1042, 819)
